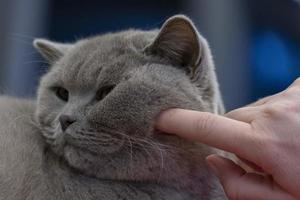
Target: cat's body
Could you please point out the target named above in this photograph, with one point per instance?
(73, 144)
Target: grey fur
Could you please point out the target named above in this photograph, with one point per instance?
(112, 151)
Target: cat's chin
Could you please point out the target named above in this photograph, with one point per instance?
(77, 159)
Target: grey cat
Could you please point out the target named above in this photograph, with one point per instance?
(90, 134)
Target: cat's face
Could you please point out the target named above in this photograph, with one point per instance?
(98, 102)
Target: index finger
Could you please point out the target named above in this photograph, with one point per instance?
(217, 131)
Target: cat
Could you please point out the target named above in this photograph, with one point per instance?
(90, 133)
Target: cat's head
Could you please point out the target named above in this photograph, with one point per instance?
(98, 102)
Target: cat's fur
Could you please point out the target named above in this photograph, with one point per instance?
(112, 150)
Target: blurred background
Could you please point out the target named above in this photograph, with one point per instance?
(255, 43)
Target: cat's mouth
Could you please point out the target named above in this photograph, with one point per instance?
(51, 134)
(148, 153)
(87, 141)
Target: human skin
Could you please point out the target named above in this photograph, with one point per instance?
(265, 133)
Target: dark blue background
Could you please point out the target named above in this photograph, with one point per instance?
(255, 43)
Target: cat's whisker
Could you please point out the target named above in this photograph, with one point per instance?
(31, 53)
(146, 149)
(162, 164)
(161, 157)
(24, 36)
(131, 154)
(36, 61)
(135, 143)
(157, 144)
(156, 148)
(20, 40)
(90, 138)
(13, 121)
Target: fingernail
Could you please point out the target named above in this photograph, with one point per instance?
(162, 118)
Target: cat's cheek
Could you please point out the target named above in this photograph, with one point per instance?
(115, 147)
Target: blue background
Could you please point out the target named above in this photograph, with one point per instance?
(256, 44)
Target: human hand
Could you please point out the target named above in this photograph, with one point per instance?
(266, 133)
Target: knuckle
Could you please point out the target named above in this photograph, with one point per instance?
(278, 109)
(271, 110)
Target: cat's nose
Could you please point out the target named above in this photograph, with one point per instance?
(66, 121)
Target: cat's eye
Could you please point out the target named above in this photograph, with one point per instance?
(103, 92)
(61, 93)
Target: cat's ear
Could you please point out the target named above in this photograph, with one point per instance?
(178, 41)
(51, 51)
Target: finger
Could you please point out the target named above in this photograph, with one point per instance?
(245, 114)
(221, 132)
(240, 185)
